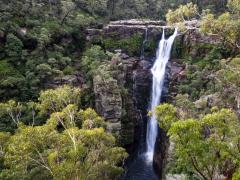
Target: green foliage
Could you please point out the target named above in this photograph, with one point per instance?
(185, 106)
(207, 146)
(45, 71)
(43, 39)
(236, 175)
(91, 60)
(11, 81)
(13, 46)
(195, 82)
(210, 25)
(131, 45)
(228, 82)
(4, 137)
(72, 144)
(234, 6)
(95, 7)
(231, 23)
(166, 115)
(13, 109)
(68, 70)
(182, 13)
(6, 70)
(58, 156)
(229, 34)
(153, 9)
(54, 100)
(90, 119)
(134, 9)
(53, 138)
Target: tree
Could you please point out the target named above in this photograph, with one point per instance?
(13, 109)
(230, 21)
(72, 144)
(214, 26)
(209, 146)
(234, 6)
(54, 100)
(4, 137)
(71, 154)
(185, 106)
(14, 46)
(225, 26)
(227, 79)
(11, 81)
(90, 119)
(182, 13)
(92, 59)
(166, 115)
(93, 7)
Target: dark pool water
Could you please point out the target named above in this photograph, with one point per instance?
(140, 169)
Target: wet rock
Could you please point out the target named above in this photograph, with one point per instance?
(175, 73)
(145, 65)
(160, 154)
(175, 70)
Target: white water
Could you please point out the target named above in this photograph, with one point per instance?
(158, 72)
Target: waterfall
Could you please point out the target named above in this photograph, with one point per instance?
(158, 72)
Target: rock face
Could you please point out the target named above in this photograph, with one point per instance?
(108, 101)
(116, 98)
(127, 28)
(76, 79)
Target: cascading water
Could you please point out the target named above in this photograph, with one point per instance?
(140, 167)
(158, 72)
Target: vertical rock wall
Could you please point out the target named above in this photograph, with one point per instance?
(116, 96)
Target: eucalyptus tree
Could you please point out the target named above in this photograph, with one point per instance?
(72, 144)
(207, 147)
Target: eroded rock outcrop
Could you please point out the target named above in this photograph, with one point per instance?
(127, 28)
(108, 101)
(115, 96)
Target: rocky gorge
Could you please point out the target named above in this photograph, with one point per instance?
(122, 86)
(122, 98)
(120, 90)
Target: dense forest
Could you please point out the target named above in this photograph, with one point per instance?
(50, 73)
